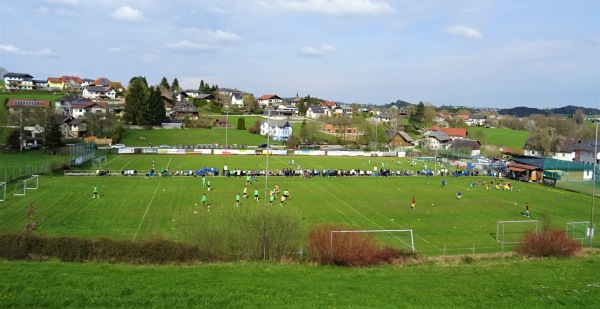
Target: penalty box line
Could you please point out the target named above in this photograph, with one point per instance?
(146, 212)
(398, 224)
(369, 219)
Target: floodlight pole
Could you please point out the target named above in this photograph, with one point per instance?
(594, 175)
(226, 125)
(267, 150)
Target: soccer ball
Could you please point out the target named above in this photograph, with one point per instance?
(195, 204)
(163, 190)
(195, 212)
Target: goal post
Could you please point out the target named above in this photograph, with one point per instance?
(393, 238)
(2, 191)
(582, 231)
(99, 162)
(511, 232)
(31, 183)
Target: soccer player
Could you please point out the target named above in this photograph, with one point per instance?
(282, 200)
(443, 183)
(96, 195)
(276, 189)
(237, 200)
(246, 192)
(285, 194)
(208, 185)
(413, 202)
(271, 200)
(204, 199)
(256, 195)
(203, 181)
(458, 196)
(527, 214)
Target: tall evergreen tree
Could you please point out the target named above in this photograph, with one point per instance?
(53, 136)
(304, 132)
(135, 100)
(156, 107)
(165, 83)
(417, 118)
(175, 85)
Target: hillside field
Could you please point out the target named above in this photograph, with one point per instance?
(501, 137)
(139, 207)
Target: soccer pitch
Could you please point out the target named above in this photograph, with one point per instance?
(139, 207)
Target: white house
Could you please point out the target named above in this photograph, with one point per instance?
(278, 129)
(269, 100)
(316, 111)
(476, 120)
(584, 152)
(437, 140)
(18, 81)
(96, 92)
(237, 99)
(343, 110)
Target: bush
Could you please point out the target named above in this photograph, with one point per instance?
(548, 243)
(350, 249)
(116, 137)
(245, 233)
(241, 124)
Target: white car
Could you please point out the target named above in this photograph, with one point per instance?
(164, 147)
(117, 146)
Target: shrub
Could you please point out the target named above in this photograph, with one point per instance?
(241, 124)
(350, 249)
(116, 137)
(548, 243)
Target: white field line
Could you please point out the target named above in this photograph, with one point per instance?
(325, 201)
(401, 226)
(112, 160)
(318, 167)
(122, 168)
(146, 212)
(369, 219)
(169, 163)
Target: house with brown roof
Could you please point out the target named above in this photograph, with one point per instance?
(469, 146)
(399, 139)
(73, 127)
(222, 123)
(183, 109)
(15, 105)
(269, 100)
(99, 92)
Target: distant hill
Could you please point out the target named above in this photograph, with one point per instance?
(522, 111)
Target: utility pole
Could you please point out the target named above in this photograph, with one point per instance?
(594, 180)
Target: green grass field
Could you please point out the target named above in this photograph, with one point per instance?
(139, 207)
(501, 137)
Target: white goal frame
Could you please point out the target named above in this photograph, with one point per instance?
(412, 239)
(2, 191)
(587, 229)
(502, 224)
(99, 162)
(31, 183)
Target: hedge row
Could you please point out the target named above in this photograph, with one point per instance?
(30, 246)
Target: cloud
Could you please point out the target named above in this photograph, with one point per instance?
(13, 50)
(186, 45)
(73, 2)
(344, 8)
(468, 33)
(310, 51)
(114, 50)
(220, 35)
(127, 13)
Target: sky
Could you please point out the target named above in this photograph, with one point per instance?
(474, 53)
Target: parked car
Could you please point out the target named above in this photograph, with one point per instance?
(262, 146)
(164, 147)
(117, 146)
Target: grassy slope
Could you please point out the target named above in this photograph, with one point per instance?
(513, 283)
(501, 137)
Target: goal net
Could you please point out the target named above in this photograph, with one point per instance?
(582, 231)
(2, 191)
(99, 162)
(22, 186)
(511, 232)
(397, 239)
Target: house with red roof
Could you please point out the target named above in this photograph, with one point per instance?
(454, 133)
(15, 105)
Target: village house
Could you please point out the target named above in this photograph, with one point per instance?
(99, 92)
(470, 146)
(453, 133)
(73, 127)
(399, 139)
(277, 129)
(269, 100)
(316, 111)
(14, 105)
(182, 109)
(436, 140)
(18, 81)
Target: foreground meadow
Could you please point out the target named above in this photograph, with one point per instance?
(509, 282)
